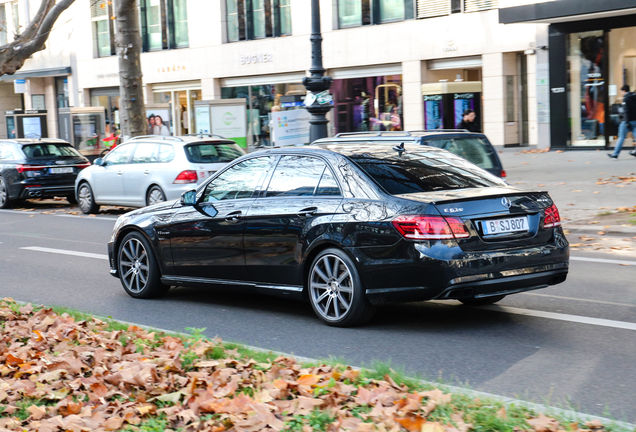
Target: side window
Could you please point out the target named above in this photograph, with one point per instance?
(166, 153)
(5, 152)
(120, 155)
(296, 176)
(240, 181)
(328, 185)
(145, 153)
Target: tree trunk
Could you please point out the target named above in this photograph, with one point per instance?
(128, 42)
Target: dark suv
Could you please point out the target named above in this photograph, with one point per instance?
(38, 169)
(474, 147)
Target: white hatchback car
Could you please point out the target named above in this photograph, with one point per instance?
(150, 169)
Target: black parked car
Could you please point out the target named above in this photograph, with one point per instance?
(38, 169)
(346, 227)
(474, 147)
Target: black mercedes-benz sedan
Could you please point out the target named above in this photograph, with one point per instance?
(347, 227)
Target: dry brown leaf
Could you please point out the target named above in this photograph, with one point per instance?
(412, 424)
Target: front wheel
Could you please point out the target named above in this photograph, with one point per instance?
(336, 292)
(4, 194)
(86, 199)
(484, 301)
(137, 267)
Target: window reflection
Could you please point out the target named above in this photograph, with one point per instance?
(296, 176)
(240, 181)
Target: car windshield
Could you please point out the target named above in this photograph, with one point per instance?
(423, 171)
(212, 152)
(49, 150)
(477, 150)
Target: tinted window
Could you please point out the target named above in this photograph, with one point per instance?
(423, 172)
(328, 185)
(48, 150)
(212, 152)
(239, 181)
(296, 176)
(166, 153)
(477, 150)
(119, 155)
(145, 153)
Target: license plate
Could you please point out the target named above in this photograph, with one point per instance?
(61, 170)
(499, 226)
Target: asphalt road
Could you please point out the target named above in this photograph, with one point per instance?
(571, 345)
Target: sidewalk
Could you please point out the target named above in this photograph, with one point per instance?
(583, 184)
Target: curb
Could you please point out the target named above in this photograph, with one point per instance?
(593, 229)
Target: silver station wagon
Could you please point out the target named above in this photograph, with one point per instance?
(151, 169)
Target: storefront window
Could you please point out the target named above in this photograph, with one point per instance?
(109, 99)
(365, 104)
(622, 71)
(391, 10)
(586, 88)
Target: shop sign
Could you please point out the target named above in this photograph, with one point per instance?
(433, 98)
(229, 121)
(173, 68)
(107, 75)
(290, 127)
(558, 90)
(449, 39)
(19, 86)
(464, 96)
(257, 58)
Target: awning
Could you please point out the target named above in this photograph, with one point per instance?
(254, 80)
(366, 71)
(455, 63)
(565, 11)
(39, 73)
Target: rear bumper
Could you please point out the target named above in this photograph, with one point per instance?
(47, 191)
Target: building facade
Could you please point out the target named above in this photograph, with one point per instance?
(390, 60)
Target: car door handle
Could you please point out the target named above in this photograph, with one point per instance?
(120, 172)
(146, 172)
(309, 211)
(233, 217)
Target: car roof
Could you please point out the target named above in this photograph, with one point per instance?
(27, 141)
(183, 140)
(397, 135)
(350, 149)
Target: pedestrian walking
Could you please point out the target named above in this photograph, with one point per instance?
(468, 122)
(628, 121)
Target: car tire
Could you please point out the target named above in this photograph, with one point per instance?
(335, 290)
(71, 199)
(484, 301)
(86, 199)
(138, 269)
(5, 202)
(155, 195)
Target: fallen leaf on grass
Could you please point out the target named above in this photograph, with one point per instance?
(412, 424)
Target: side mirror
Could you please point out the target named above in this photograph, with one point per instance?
(189, 198)
(98, 161)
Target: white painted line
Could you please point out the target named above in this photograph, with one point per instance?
(36, 212)
(87, 217)
(600, 260)
(579, 299)
(66, 252)
(563, 317)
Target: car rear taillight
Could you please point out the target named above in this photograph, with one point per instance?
(552, 217)
(430, 227)
(23, 168)
(83, 165)
(187, 176)
(503, 174)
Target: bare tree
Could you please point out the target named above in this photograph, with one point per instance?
(129, 45)
(33, 38)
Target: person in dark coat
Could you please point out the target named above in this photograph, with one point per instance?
(468, 122)
(628, 121)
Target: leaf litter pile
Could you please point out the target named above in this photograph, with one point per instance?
(59, 373)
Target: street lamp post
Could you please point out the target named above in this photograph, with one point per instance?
(317, 82)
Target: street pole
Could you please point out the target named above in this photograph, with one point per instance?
(317, 82)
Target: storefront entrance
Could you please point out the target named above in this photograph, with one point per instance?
(180, 97)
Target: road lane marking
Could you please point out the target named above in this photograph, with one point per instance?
(562, 317)
(87, 217)
(66, 252)
(36, 212)
(601, 260)
(579, 299)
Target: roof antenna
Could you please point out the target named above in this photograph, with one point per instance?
(400, 149)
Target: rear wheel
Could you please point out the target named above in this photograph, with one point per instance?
(138, 270)
(4, 194)
(155, 195)
(86, 199)
(484, 301)
(336, 292)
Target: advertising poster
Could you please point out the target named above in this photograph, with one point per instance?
(463, 101)
(229, 122)
(290, 127)
(202, 119)
(433, 112)
(32, 127)
(158, 121)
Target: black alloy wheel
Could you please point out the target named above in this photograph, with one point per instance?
(4, 194)
(138, 269)
(155, 195)
(336, 292)
(484, 301)
(86, 199)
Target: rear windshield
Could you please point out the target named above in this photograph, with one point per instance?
(477, 150)
(213, 152)
(423, 172)
(49, 150)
